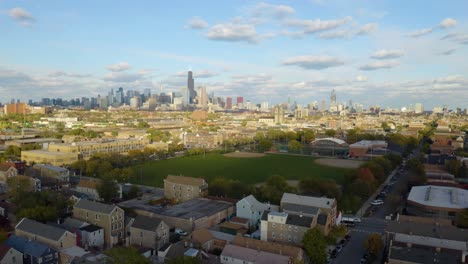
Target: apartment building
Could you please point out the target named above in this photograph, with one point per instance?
(86, 149)
(182, 188)
(109, 217)
(251, 209)
(293, 203)
(48, 157)
(285, 228)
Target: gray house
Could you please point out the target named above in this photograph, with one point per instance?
(149, 233)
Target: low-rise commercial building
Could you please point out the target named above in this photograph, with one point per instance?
(239, 255)
(437, 201)
(367, 148)
(48, 157)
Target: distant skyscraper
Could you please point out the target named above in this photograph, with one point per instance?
(324, 106)
(229, 103)
(418, 108)
(279, 114)
(240, 100)
(191, 87)
(203, 99)
(333, 103)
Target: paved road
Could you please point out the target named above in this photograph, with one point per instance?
(375, 223)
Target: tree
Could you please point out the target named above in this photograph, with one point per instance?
(107, 190)
(294, 146)
(273, 189)
(330, 132)
(315, 244)
(265, 145)
(453, 166)
(373, 244)
(184, 260)
(122, 255)
(336, 232)
(13, 151)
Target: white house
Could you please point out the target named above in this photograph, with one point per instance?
(92, 236)
(250, 208)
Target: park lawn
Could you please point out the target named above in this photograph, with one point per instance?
(246, 170)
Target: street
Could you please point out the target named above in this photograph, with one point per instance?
(375, 223)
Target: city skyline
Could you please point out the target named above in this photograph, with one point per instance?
(371, 53)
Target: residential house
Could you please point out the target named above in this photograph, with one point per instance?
(51, 236)
(52, 173)
(9, 255)
(210, 240)
(239, 255)
(183, 188)
(109, 217)
(250, 208)
(92, 236)
(33, 251)
(149, 233)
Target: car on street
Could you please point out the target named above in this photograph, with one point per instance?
(377, 202)
(364, 258)
(180, 232)
(333, 254)
(348, 237)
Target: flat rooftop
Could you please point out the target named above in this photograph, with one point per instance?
(422, 255)
(50, 153)
(439, 196)
(369, 144)
(195, 208)
(36, 140)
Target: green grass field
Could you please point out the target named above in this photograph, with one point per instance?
(246, 170)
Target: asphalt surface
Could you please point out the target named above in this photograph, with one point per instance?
(375, 223)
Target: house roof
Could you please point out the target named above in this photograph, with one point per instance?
(272, 247)
(40, 229)
(439, 196)
(95, 206)
(299, 208)
(421, 255)
(202, 235)
(427, 230)
(185, 180)
(91, 228)
(4, 248)
(93, 184)
(253, 255)
(292, 219)
(29, 247)
(146, 223)
(320, 202)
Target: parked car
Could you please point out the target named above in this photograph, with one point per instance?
(339, 248)
(377, 202)
(348, 237)
(180, 232)
(333, 254)
(364, 258)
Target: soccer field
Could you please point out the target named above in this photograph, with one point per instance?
(246, 170)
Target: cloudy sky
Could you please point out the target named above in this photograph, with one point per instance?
(391, 53)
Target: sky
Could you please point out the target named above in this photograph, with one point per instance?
(390, 53)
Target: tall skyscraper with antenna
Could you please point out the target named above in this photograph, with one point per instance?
(191, 87)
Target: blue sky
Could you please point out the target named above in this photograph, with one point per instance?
(391, 53)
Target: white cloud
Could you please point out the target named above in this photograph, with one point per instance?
(460, 38)
(312, 26)
(276, 11)
(420, 33)
(334, 34)
(310, 62)
(361, 78)
(448, 52)
(22, 16)
(385, 64)
(58, 74)
(387, 54)
(367, 29)
(197, 23)
(448, 23)
(235, 33)
(118, 67)
(122, 77)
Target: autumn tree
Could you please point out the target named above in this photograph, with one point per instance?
(373, 244)
(315, 244)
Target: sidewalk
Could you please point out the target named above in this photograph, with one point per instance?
(367, 204)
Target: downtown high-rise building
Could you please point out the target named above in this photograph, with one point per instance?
(191, 87)
(203, 98)
(228, 103)
(333, 103)
(240, 100)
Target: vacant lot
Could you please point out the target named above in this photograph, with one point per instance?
(340, 163)
(246, 170)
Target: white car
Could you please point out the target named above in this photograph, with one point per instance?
(377, 202)
(180, 232)
(357, 220)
